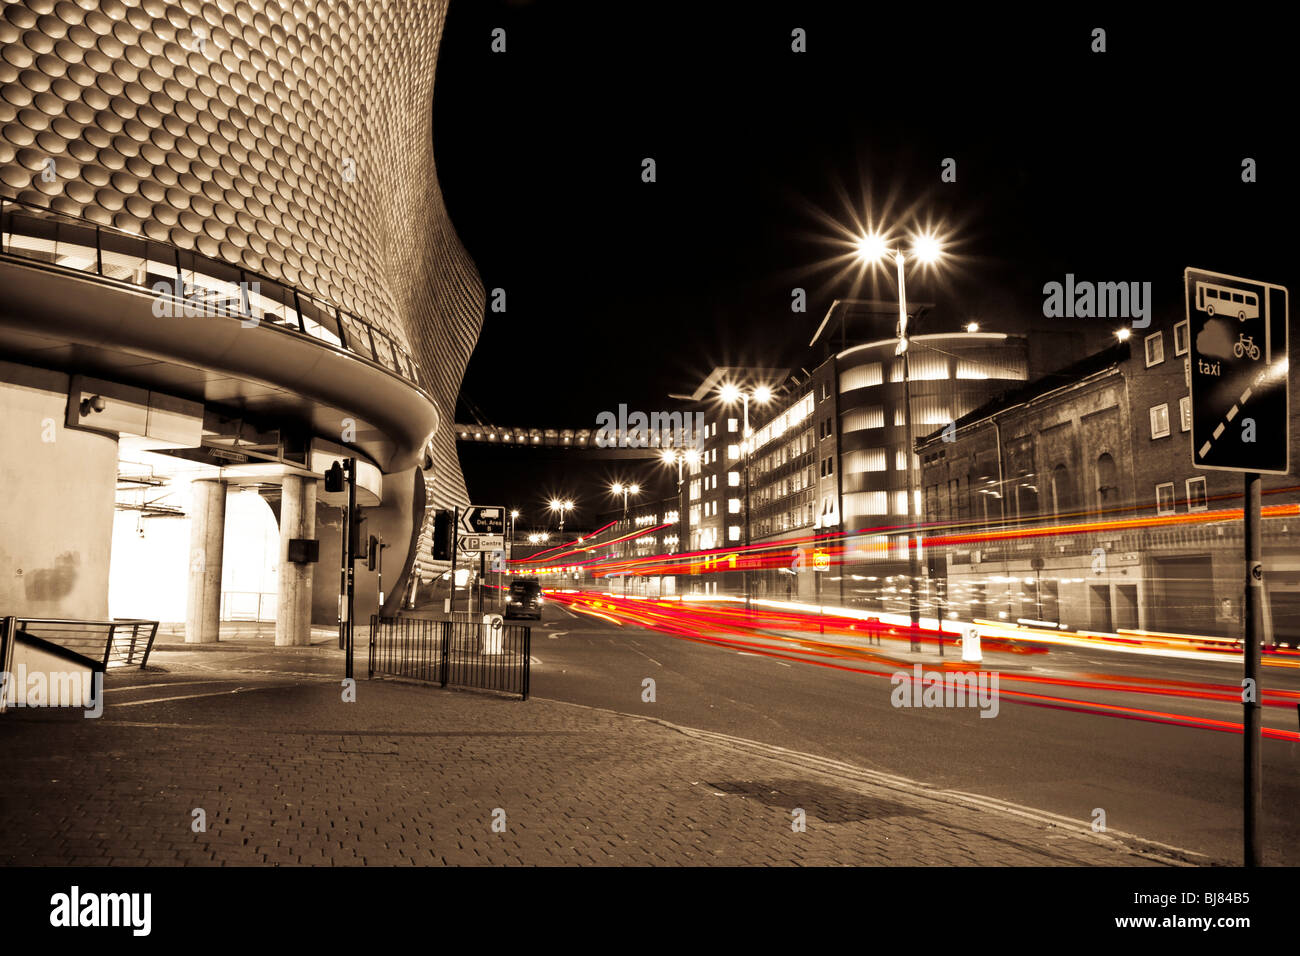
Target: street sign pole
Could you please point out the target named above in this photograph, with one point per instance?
(455, 549)
(1251, 724)
(351, 557)
(1238, 340)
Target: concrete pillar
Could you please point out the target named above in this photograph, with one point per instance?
(297, 520)
(207, 545)
(56, 517)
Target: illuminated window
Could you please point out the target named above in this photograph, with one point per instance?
(1185, 412)
(733, 452)
(733, 506)
(733, 479)
(733, 532)
(1165, 498)
(1181, 333)
(1196, 499)
(1160, 421)
(1155, 348)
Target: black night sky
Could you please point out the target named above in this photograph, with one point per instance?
(1115, 166)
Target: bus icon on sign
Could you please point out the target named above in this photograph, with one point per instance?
(1224, 300)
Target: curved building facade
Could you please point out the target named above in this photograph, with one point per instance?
(222, 222)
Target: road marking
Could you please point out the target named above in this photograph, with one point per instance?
(178, 683)
(215, 693)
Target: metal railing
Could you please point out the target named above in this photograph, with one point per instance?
(462, 653)
(248, 605)
(192, 283)
(121, 641)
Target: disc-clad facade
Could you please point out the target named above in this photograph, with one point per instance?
(232, 209)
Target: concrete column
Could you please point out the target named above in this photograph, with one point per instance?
(56, 517)
(207, 546)
(297, 520)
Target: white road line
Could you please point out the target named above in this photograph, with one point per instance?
(178, 683)
(215, 693)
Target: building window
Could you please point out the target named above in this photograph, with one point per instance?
(1155, 349)
(1185, 413)
(733, 452)
(1062, 489)
(1160, 421)
(1107, 481)
(1196, 498)
(733, 532)
(732, 425)
(1181, 334)
(733, 506)
(733, 479)
(1165, 498)
(830, 466)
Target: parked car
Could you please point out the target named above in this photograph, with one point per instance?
(524, 599)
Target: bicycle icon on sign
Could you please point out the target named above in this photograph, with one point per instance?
(1246, 346)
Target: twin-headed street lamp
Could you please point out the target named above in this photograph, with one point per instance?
(927, 249)
(761, 395)
(561, 507)
(618, 488)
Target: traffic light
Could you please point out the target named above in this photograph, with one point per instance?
(334, 478)
(372, 553)
(442, 534)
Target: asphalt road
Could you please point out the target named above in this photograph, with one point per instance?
(1177, 785)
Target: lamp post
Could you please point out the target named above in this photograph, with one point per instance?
(618, 488)
(561, 508)
(927, 249)
(761, 395)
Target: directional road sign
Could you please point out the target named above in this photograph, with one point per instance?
(482, 528)
(1237, 333)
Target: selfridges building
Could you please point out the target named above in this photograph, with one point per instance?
(226, 264)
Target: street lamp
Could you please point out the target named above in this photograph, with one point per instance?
(761, 396)
(561, 508)
(928, 250)
(618, 488)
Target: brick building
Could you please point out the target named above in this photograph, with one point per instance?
(1101, 451)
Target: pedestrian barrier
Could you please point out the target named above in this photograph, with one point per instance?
(121, 641)
(487, 654)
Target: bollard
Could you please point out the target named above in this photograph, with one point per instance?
(970, 645)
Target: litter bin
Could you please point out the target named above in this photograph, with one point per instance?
(494, 632)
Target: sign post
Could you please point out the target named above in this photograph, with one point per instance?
(1237, 335)
(479, 529)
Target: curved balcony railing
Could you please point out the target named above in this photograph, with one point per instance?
(193, 284)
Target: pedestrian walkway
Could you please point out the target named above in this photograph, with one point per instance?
(255, 757)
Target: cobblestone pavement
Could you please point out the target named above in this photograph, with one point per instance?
(283, 771)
